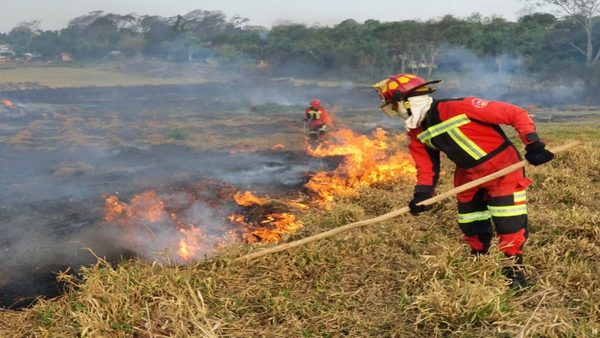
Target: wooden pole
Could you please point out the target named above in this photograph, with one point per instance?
(400, 211)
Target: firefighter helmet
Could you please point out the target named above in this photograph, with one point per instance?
(315, 103)
(402, 86)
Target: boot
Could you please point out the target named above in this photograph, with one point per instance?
(515, 274)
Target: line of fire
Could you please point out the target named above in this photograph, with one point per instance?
(152, 216)
(174, 185)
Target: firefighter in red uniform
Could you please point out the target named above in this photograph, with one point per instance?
(468, 131)
(318, 119)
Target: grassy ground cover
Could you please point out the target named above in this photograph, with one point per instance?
(410, 276)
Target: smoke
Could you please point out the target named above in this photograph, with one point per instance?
(85, 143)
(50, 224)
(503, 78)
(65, 149)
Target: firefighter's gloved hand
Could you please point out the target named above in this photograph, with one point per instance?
(536, 153)
(419, 197)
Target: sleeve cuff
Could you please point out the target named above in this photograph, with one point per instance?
(429, 189)
(531, 137)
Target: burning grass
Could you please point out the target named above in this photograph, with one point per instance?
(409, 276)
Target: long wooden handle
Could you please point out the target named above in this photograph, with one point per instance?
(400, 211)
(492, 176)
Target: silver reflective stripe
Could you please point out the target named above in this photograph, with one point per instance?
(508, 211)
(466, 144)
(474, 216)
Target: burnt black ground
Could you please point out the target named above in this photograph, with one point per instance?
(107, 137)
(39, 210)
(47, 220)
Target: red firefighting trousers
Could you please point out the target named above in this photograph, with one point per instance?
(501, 201)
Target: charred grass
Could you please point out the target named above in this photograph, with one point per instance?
(406, 277)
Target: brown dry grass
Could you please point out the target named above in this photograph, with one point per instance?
(82, 76)
(410, 276)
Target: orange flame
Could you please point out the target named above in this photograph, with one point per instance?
(115, 208)
(147, 211)
(278, 146)
(247, 199)
(297, 204)
(367, 161)
(8, 104)
(190, 244)
(270, 229)
(148, 206)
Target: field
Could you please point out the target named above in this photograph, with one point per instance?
(100, 75)
(65, 149)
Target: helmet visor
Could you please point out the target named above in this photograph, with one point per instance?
(396, 109)
(388, 109)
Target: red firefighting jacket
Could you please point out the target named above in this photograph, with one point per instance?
(317, 118)
(467, 130)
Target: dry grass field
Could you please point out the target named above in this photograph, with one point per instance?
(407, 277)
(100, 75)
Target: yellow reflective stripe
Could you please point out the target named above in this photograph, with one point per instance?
(520, 196)
(443, 127)
(466, 144)
(315, 114)
(474, 216)
(430, 145)
(508, 211)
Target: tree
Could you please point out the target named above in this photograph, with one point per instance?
(156, 31)
(436, 34)
(586, 13)
(535, 39)
(492, 37)
(96, 34)
(401, 38)
(21, 36)
(47, 43)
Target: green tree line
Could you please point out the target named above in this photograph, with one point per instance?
(543, 43)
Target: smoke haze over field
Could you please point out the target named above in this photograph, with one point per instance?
(65, 149)
(504, 78)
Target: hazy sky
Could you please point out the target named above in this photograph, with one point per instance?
(55, 14)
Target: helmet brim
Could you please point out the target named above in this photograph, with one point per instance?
(421, 89)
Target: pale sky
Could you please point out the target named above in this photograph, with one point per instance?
(55, 14)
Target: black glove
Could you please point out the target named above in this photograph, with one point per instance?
(419, 197)
(536, 153)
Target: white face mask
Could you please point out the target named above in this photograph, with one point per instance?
(419, 105)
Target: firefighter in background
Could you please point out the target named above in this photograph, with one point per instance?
(318, 119)
(468, 131)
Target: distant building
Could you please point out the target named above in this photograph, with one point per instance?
(29, 57)
(115, 55)
(65, 57)
(6, 53)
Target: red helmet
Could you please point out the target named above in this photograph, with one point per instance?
(315, 103)
(402, 86)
